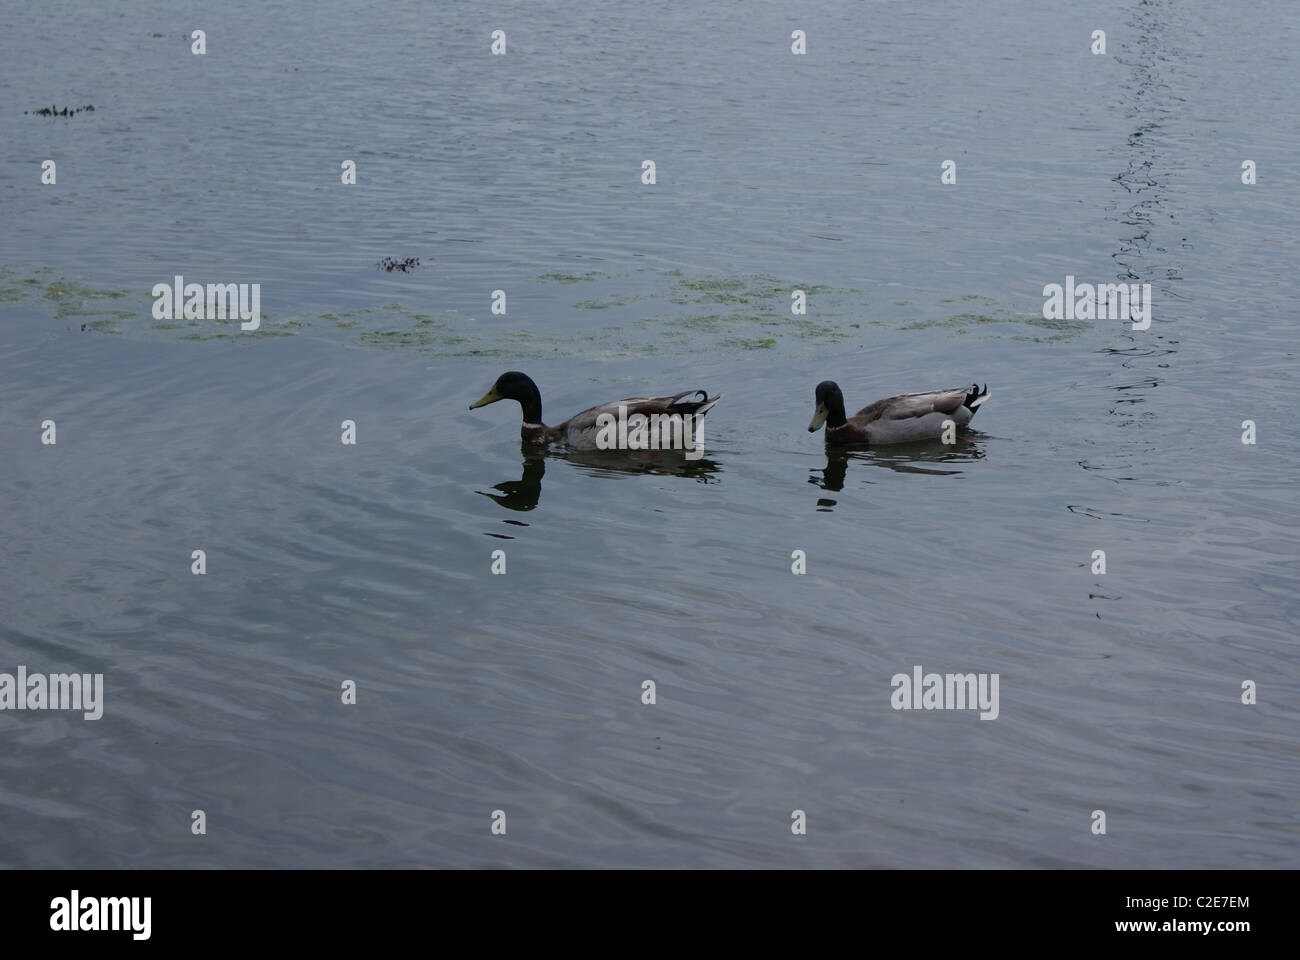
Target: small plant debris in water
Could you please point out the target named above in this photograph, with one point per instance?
(388, 264)
(65, 112)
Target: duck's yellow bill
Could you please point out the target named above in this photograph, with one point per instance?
(819, 417)
(490, 397)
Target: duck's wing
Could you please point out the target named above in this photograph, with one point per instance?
(645, 406)
(908, 406)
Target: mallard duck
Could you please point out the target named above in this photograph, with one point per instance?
(580, 431)
(909, 416)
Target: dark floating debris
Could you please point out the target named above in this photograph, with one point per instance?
(65, 112)
(388, 264)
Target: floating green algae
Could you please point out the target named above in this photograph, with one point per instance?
(347, 319)
(688, 312)
(242, 335)
(991, 317)
(959, 320)
(746, 291)
(77, 300)
(604, 303)
(131, 311)
(64, 290)
(571, 277)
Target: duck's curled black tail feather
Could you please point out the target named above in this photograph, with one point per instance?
(975, 396)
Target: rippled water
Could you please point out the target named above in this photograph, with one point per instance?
(522, 693)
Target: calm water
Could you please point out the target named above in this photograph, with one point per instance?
(326, 562)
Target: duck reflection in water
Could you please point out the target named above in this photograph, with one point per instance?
(901, 458)
(524, 493)
(521, 494)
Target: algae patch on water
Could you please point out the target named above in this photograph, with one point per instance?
(68, 299)
(745, 291)
(242, 335)
(118, 311)
(688, 313)
(347, 319)
(995, 322)
(613, 300)
(571, 277)
(755, 311)
(453, 335)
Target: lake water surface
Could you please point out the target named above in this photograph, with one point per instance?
(522, 693)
